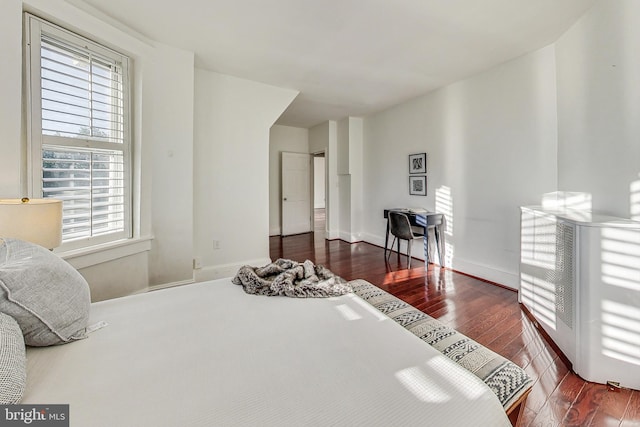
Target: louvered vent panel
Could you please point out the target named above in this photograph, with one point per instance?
(565, 272)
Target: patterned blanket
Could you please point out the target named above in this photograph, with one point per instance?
(507, 380)
(292, 279)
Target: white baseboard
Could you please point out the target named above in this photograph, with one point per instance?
(379, 241)
(141, 291)
(220, 271)
(417, 251)
(170, 285)
(509, 280)
(348, 237)
(274, 231)
(373, 239)
(332, 235)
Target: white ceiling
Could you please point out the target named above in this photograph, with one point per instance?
(348, 57)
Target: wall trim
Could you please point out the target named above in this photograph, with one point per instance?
(479, 271)
(221, 271)
(94, 255)
(485, 272)
(373, 239)
(349, 238)
(170, 285)
(274, 231)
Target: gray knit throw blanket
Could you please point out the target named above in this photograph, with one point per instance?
(292, 279)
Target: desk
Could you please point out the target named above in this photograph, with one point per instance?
(420, 220)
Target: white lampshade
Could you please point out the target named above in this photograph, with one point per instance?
(34, 220)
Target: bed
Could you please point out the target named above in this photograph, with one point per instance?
(208, 354)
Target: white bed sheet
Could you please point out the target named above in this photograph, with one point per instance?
(208, 354)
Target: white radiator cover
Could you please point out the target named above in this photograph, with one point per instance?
(580, 278)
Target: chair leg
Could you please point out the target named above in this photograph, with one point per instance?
(391, 249)
(408, 254)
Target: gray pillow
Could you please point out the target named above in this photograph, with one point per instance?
(47, 297)
(13, 364)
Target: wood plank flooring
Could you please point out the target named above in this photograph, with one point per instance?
(484, 312)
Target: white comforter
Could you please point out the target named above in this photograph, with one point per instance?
(210, 355)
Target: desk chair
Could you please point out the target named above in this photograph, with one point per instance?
(401, 229)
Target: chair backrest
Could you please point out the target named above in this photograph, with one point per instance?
(400, 226)
(434, 219)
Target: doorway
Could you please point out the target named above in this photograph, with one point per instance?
(296, 193)
(319, 196)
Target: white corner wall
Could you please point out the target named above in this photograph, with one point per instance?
(491, 143)
(344, 180)
(11, 158)
(599, 107)
(350, 186)
(231, 170)
(170, 133)
(356, 135)
(281, 138)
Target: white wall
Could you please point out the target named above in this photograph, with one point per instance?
(599, 107)
(491, 143)
(319, 137)
(171, 138)
(231, 170)
(11, 159)
(356, 135)
(350, 167)
(133, 266)
(281, 138)
(344, 180)
(318, 182)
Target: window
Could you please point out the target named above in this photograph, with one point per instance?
(78, 124)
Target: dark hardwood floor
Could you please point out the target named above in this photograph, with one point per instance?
(484, 312)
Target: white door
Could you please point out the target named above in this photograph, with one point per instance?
(296, 193)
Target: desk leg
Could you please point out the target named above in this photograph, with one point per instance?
(421, 221)
(438, 232)
(440, 242)
(426, 247)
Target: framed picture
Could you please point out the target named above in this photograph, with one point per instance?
(418, 163)
(418, 185)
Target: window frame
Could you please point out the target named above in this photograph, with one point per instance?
(34, 28)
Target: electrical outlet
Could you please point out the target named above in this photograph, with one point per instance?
(197, 263)
(216, 244)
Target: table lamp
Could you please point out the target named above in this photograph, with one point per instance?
(34, 220)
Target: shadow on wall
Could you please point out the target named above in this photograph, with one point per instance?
(560, 200)
(444, 205)
(634, 200)
(538, 262)
(621, 310)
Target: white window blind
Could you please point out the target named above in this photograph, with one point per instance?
(79, 132)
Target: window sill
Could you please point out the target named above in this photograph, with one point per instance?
(98, 254)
